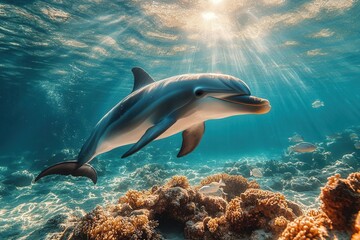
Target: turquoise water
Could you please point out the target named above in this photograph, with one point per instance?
(64, 64)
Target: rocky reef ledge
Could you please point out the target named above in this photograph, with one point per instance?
(246, 212)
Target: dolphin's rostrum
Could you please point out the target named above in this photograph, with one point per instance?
(156, 110)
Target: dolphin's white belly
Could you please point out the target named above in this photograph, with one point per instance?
(132, 136)
(198, 113)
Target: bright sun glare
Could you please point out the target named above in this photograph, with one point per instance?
(216, 1)
(208, 16)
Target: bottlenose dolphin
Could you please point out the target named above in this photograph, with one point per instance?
(159, 109)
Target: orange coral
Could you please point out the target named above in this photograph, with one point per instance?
(214, 223)
(213, 205)
(356, 235)
(235, 184)
(341, 199)
(204, 217)
(278, 224)
(313, 225)
(256, 209)
(178, 181)
(101, 224)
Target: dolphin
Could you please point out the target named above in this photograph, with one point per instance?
(159, 109)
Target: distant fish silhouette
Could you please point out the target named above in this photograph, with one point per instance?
(296, 138)
(333, 137)
(317, 104)
(303, 147)
(353, 136)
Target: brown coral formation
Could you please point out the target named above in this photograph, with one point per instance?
(313, 225)
(235, 184)
(356, 234)
(251, 212)
(260, 209)
(137, 212)
(101, 224)
(341, 200)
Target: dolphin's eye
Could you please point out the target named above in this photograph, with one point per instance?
(199, 93)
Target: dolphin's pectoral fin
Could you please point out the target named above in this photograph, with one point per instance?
(150, 135)
(70, 168)
(141, 78)
(191, 138)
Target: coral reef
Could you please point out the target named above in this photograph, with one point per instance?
(356, 230)
(138, 212)
(313, 225)
(260, 209)
(251, 213)
(100, 224)
(234, 184)
(341, 199)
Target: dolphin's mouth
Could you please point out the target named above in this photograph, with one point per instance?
(247, 100)
(249, 103)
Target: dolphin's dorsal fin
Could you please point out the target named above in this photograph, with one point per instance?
(191, 138)
(141, 78)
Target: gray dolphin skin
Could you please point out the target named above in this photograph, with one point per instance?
(159, 109)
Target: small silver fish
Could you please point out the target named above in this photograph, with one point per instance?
(212, 188)
(353, 136)
(296, 138)
(219, 193)
(333, 137)
(317, 104)
(302, 147)
(256, 172)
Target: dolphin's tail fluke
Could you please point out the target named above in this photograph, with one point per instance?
(70, 168)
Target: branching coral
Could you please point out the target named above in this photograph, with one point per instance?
(235, 184)
(204, 217)
(213, 205)
(278, 224)
(313, 225)
(178, 181)
(260, 209)
(100, 224)
(341, 199)
(138, 199)
(356, 235)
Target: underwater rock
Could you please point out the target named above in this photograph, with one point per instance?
(205, 169)
(341, 200)
(123, 184)
(340, 146)
(351, 159)
(152, 174)
(337, 167)
(274, 167)
(302, 184)
(238, 168)
(19, 179)
(277, 185)
(59, 226)
(287, 176)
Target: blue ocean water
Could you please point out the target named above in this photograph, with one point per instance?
(64, 64)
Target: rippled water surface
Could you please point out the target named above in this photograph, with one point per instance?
(64, 64)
